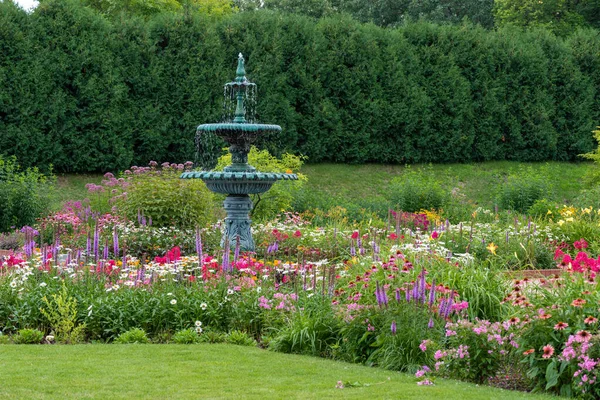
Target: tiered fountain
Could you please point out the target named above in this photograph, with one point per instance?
(239, 179)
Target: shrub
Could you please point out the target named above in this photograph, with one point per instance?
(417, 190)
(186, 336)
(61, 312)
(135, 335)
(24, 194)
(4, 339)
(28, 336)
(281, 195)
(162, 197)
(521, 190)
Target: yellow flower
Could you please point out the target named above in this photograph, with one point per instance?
(549, 212)
(288, 171)
(560, 222)
(492, 248)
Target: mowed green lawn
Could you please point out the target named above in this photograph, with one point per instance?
(205, 371)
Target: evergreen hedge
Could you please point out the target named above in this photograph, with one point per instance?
(84, 93)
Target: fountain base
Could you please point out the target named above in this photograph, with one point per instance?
(237, 222)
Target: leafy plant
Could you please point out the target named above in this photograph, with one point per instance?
(61, 313)
(417, 190)
(281, 195)
(28, 336)
(521, 190)
(135, 335)
(240, 338)
(186, 336)
(24, 194)
(162, 198)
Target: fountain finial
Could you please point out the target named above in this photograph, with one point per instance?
(241, 71)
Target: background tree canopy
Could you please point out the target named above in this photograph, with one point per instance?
(83, 91)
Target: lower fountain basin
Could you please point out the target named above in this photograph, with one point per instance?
(237, 183)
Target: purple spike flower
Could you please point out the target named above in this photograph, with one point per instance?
(115, 243)
(105, 252)
(236, 253)
(378, 294)
(393, 327)
(199, 247)
(432, 293)
(430, 325)
(398, 295)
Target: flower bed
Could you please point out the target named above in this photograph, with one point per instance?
(413, 293)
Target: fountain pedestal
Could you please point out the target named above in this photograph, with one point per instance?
(237, 223)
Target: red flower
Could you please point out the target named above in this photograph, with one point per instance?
(355, 235)
(297, 233)
(580, 244)
(392, 236)
(435, 235)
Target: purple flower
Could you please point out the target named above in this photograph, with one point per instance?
(393, 327)
(430, 325)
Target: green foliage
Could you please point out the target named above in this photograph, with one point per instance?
(24, 194)
(282, 194)
(313, 330)
(135, 335)
(4, 339)
(418, 190)
(521, 190)
(186, 336)
(240, 338)
(213, 337)
(115, 92)
(160, 195)
(593, 176)
(61, 313)
(28, 336)
(148, 8)
(560, 16)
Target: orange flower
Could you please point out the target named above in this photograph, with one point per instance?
(527, 352)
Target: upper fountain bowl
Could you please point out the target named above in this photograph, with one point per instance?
(238, 133)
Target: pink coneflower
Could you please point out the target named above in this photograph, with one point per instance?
(590, 320)
(560, 326)
(544, 316)
(514, 320)
(548, 351)
(583, 336)
(578, 302)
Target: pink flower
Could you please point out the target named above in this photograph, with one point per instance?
(435, 235)
(548, 351)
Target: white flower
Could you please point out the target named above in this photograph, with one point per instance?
(169, 294)
(198, 323)
(13, 284)
(173, 301)
(203, 306)
(43, 284)
(230, 291)
(198, 330)
(258, 289)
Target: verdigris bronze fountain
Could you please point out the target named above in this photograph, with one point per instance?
(239, 179)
